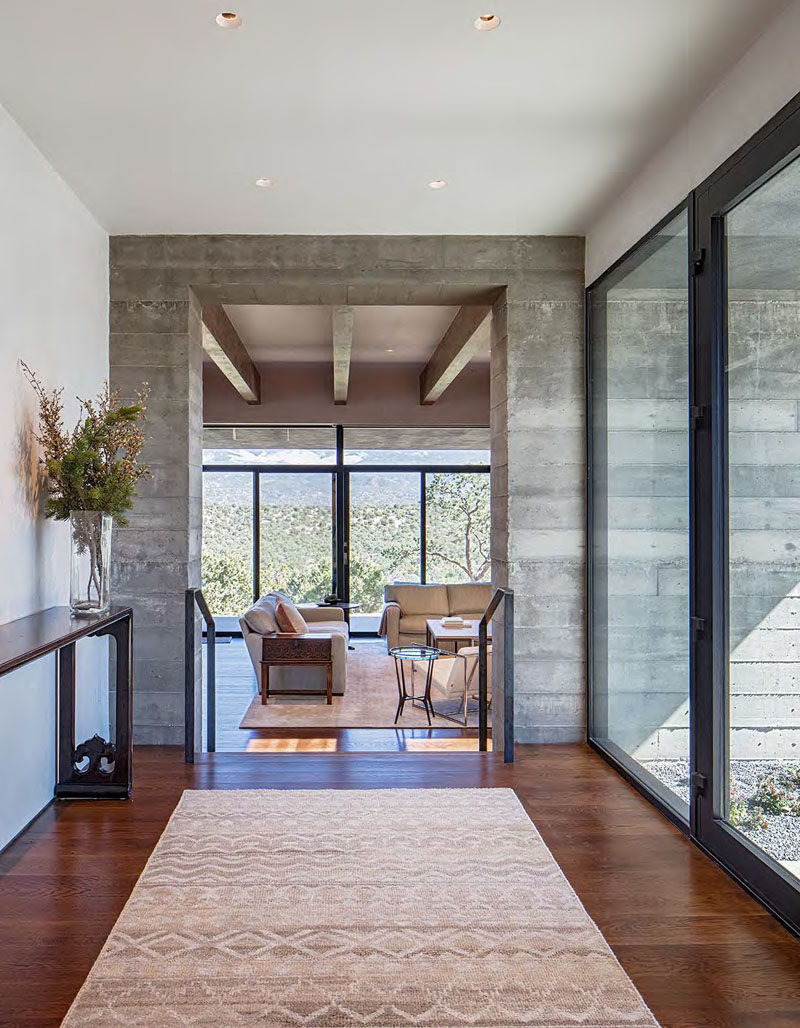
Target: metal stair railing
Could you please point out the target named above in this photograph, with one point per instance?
(194, 597)
(506, 597)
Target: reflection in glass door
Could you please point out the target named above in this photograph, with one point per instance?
(761, 739)
(639, 665)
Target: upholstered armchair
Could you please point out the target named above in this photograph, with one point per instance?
(455, 683)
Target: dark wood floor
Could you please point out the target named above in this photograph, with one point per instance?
(703, 954)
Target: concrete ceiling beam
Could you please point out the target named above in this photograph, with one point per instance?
(342, 318)
(467, 334)
(222, 344)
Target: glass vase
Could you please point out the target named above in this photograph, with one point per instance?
(90, 565)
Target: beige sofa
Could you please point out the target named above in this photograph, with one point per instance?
(408, 607)
(326, 620)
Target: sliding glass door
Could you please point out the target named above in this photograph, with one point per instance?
(639, 457)
(748, 530)
(762, 761)
(694, 515)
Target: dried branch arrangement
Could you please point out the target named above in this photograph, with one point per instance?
(94, 467)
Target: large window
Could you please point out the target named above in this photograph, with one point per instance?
(314, 510)
(694, 526)
(748, 531)
(762, 744)
(457, 527)
(296, 533)
(384, 538)
(227, 562)
(640, 495)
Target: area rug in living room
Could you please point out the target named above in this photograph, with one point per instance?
(369, 701)
(389, 908)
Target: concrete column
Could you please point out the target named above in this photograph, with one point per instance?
(157, 555)
(544, 416)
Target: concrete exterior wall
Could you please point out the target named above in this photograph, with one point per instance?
(536, 286)
(642, 525)
(764, 513)
(643, 657)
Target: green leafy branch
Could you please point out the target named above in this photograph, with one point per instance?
(96, 465)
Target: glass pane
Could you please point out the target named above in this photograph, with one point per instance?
(267, 444)
(384, 539)
(227, 563)
(640, 489)
(297, 535)
(457, 529)
(416, 446)
(763, 370)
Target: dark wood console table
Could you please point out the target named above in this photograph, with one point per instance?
(285, 650)
(96, 768)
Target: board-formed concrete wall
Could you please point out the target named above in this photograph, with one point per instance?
(645, 649)
(764, 517)
(535, 284)
(642, 523)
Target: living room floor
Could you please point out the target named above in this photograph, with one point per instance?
(309, 724)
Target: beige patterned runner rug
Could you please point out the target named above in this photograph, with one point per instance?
(384, 908)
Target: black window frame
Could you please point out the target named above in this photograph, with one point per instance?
(637, 776)
(770, 150)
(340, 473)
(763, 156)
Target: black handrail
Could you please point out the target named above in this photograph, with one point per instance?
(195, 597)
(507, 597)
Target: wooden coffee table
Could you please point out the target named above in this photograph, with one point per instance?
(437, 634)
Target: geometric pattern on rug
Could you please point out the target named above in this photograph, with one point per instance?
(380, 908)
(369, 701)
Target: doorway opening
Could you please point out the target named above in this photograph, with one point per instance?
(386, 507)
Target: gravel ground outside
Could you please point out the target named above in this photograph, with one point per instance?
(781, 837)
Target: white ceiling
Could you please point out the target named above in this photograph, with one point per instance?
(293, 334)
(161, 122)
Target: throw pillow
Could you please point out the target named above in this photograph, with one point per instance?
(261, 616)
(289, 618)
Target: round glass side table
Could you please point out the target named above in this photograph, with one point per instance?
(411, 654)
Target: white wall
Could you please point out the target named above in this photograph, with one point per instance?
(762, 81)
(54, 315)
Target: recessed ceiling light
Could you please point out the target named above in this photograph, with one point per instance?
(264, 183)
(486, 22)
(389, 349)
(438, 183)
(228, 20)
